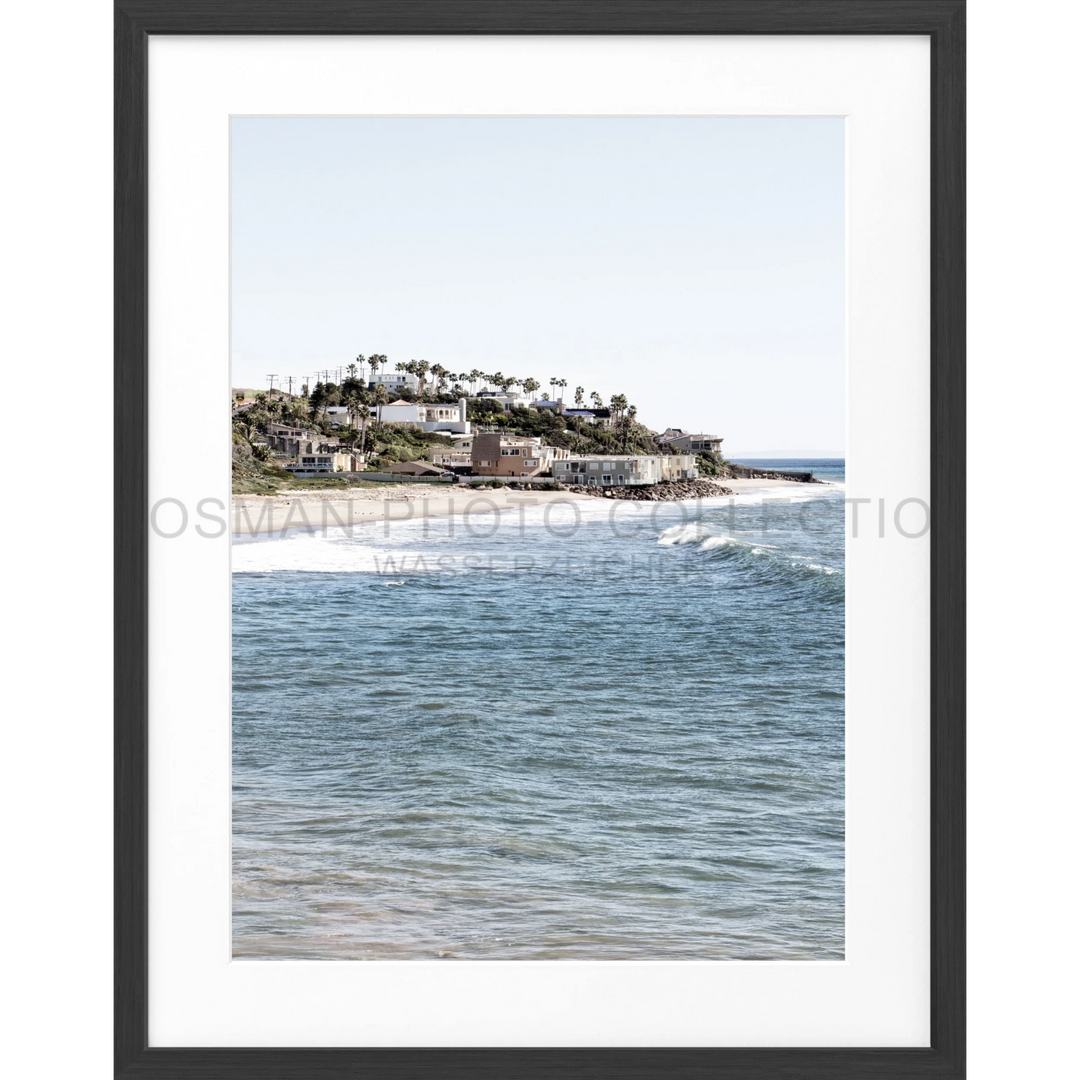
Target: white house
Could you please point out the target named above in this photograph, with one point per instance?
(678, 467)
(507, 401)
(614, 470)
(427, 417)
(394, 380)
(692, 443)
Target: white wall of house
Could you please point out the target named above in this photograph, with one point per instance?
(614, 470)
(395, 380)
(426, 416)
(695, 443)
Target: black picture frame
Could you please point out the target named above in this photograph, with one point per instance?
(943, 21)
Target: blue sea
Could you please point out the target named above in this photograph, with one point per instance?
(595, 731)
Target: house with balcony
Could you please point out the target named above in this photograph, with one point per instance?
(678, 467)
(610, 470)
(498, 454)
(427, 417)
(289, 431)
(394, 381)
(450, 457)
(319, 464)
(692, 444)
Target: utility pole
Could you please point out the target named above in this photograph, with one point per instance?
(271, 378)
(289, 378)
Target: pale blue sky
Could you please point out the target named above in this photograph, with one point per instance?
(696, 265)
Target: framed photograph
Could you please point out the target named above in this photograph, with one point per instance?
(540, 539)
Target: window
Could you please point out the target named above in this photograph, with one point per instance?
(594, 465)
(531, 464)
(607, 479)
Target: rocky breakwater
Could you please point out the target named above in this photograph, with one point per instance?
(748, 472)
(664, 491)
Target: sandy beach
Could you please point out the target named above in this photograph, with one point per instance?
(267, 514)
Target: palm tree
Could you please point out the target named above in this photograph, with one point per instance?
(631, 415)
(376, 361)
(422, 369)
(474, 377)
(554, 381)
(562, 384)
(597, 400)
(617, 405)
(579, 396)
(530, 386)
(299, 409)
(408, 367)
(352, 401)
(380, 397)
(440, 375)
(244, 424)
(352, 368)
(360, 408)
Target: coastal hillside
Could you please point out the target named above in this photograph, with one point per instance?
(365, 423)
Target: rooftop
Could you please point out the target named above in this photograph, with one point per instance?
(610, 457)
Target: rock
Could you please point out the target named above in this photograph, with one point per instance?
(665, 491)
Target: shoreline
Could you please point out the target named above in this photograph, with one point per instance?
(264, 515)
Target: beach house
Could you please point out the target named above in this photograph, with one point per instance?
(692, 443)
(616, 470)
(678, 467)
(496, 453)
(323, 464)
(451, 457)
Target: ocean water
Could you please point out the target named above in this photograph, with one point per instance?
(600, 731)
